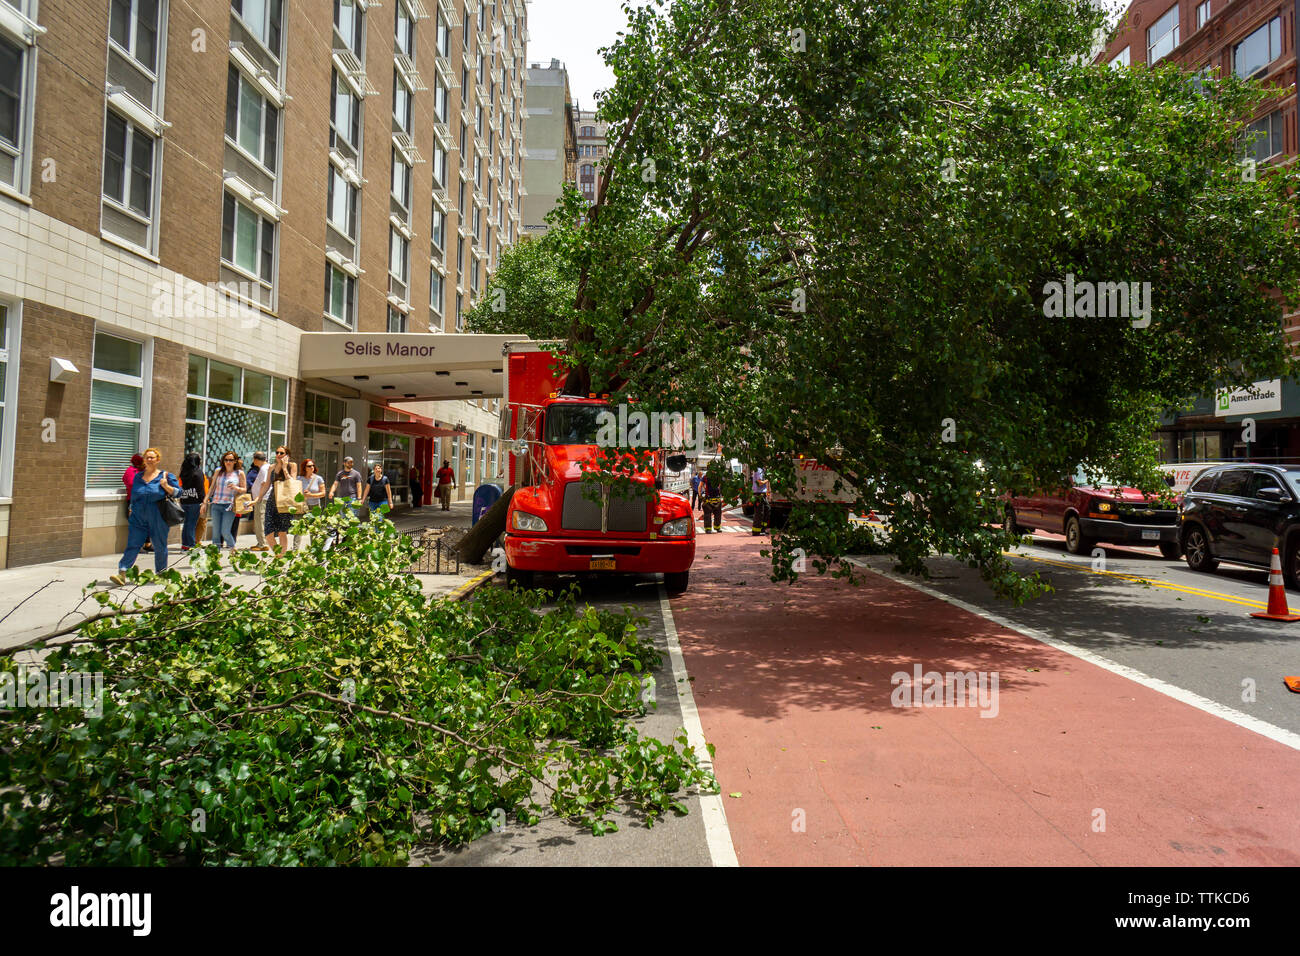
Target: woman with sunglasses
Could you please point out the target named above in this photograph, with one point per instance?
(228, 483)
(313, 489)
(277, 521)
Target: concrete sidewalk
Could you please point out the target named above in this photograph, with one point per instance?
(38, 598)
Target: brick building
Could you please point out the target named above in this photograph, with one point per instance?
(1251, 39)
(189, 189)
(591, 151)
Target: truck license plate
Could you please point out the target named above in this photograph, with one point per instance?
(1150, 535)
(602, 564)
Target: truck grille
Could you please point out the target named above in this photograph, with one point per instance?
(580, 514)
(1136, 514)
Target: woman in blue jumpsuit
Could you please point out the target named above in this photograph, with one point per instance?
(146, 522)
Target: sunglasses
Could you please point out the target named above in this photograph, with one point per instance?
(227, 459)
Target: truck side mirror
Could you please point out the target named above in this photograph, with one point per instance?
(676, 463)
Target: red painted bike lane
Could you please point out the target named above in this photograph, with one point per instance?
(1078, 766)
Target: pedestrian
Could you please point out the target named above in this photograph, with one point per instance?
(417, 489)
(148, 488)
(259, 483)
(710, 492)
(446, 482)
(695, 490)
(348, 484)
(193, 493)
(280, 508)
(313, 490)
(379, 492)
(760, 487)
(128, 481)
(228, 482)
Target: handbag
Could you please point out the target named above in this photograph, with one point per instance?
(172, 511)
(285, 493)
(243, 505)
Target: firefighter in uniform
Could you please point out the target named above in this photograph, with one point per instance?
(760, 487)
(711, 498)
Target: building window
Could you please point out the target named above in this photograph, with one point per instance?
(9, 336)
(263, 19)
(460, 196)
(441, 102)
(1264, 137)
(398, 255)
(440, 229)
(128, 166)
(401, 182)
(229, 408)
(439, 166)
(14, 81)
(473, 277)
(323, 433)
(468, 475)
(405, 30)
(345, 114)
(252, 121)
(1257, 51)
(401, 102)
(1162, 36)
(443, 37)
(460, 313)
(437, 286)
(460, 258)
(133, 26)
(342, 204)
(347, 21)
(478, 223)
(1120, 60)
(396, 320)
(1202, 14)
(117, 410)
(247, 240)
(340, 295)
(478, 172)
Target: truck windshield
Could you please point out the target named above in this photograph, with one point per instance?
(573, 424)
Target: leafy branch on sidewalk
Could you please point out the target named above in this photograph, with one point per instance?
(333, 715)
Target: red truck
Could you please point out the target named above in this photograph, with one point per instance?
(1093, 512)
(552, 523)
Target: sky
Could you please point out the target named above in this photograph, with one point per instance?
(572, 31)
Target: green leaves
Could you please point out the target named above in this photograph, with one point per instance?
(332, 715)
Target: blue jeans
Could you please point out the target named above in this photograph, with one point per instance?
(223, 525)
(145, 524)
(191, 523)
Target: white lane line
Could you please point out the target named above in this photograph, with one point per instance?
(1280, 735)
(716, 832)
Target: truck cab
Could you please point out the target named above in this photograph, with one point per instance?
(556, 522)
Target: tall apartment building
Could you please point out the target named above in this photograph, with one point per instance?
(1254, 39)
(552, 142)
(193, 193)
(591, 151)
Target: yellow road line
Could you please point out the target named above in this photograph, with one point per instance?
(469, 586)
(1138, 579)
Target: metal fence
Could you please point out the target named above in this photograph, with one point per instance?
(433, 557)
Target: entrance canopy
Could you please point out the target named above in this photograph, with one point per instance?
(408, 366)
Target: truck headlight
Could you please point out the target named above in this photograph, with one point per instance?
(528, 522)
(678, 526)
(1105, 506)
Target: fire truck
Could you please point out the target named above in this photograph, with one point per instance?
(555, 521)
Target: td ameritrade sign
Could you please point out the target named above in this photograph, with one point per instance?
(1256, 397)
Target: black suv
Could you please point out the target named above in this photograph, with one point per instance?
(1240, 513)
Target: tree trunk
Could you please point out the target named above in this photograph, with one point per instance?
(493, 522)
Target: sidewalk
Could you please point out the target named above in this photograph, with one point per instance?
(53, 596)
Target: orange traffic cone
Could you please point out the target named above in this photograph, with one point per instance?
(1277, 609)
(1292, 684)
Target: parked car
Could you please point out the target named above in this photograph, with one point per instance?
(1091, 513)
(1240, 513)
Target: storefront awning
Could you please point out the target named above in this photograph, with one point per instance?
(408, 366)
(418, 429)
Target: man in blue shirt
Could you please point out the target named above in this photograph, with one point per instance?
(695, 490)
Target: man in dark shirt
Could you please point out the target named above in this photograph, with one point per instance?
(347, 485)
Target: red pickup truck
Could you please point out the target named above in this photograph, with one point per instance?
(1090, 513)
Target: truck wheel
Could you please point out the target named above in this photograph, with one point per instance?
(519, 577)
(676, 582)
(1076, 542)
(1171, 550)
(1291, 564)
(1009, 523)
(1196, 548)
